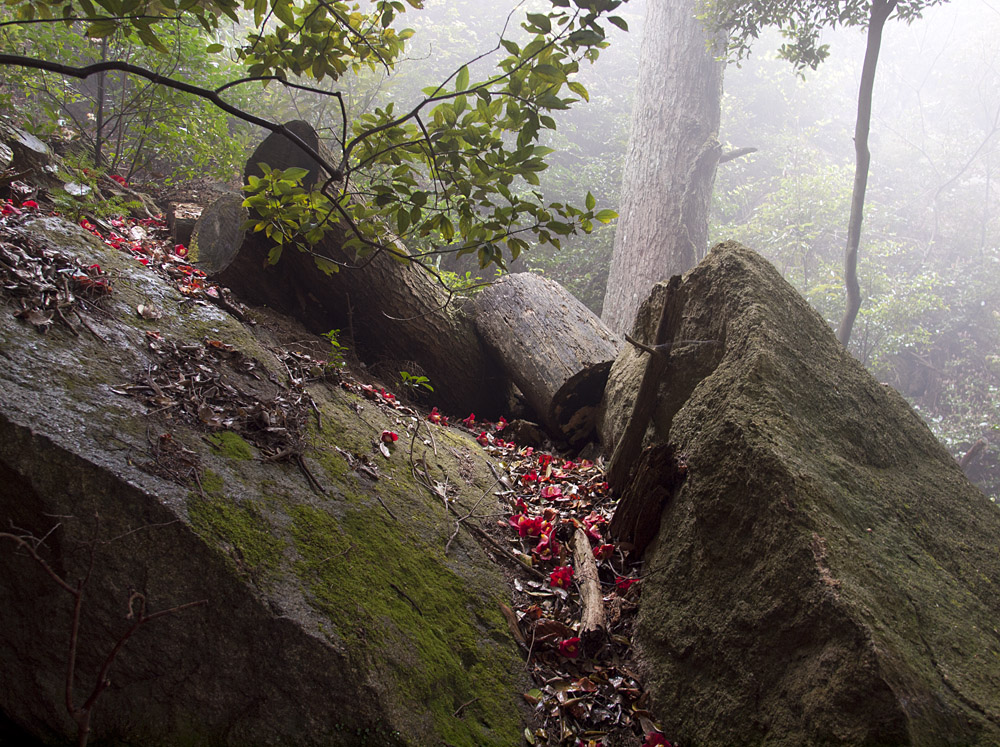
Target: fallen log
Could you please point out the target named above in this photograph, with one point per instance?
(553, 347)
(390, 313)
(593, 627)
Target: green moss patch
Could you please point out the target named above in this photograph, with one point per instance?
(231, 445)
(240, 528)
(391, 596)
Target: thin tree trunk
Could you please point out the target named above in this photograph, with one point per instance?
(880, 12)
(99, 115)
(671, 162)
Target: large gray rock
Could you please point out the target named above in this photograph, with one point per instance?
(329, 620)
(825, 573)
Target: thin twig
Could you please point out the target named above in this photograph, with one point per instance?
(463, 706)
(458, 522)
(310, 478)
(387, 509)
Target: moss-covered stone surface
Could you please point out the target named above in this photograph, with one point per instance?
(826, 574)
(333, 615)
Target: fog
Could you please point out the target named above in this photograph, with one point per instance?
(930, 247)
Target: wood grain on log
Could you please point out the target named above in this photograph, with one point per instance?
(657, 477)
(593, 626)
(553, 347)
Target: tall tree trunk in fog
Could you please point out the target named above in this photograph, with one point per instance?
(672, 157)
(879, 13)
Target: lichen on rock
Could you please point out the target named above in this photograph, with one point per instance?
(825, 574)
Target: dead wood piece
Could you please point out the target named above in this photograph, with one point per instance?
(393, 310)
(593, 627)
(657, 477)
(628, 446)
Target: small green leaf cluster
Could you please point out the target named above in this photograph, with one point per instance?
(337, 351)
(413, 382)
(288, 213)
(801, 23)
(459, 168)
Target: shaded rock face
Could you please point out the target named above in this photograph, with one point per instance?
(329, 620)
(825, 574)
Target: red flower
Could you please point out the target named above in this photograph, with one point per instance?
(470, 421)
(569, 465)
(483, 439)
(435, 416)
(119, 179)
(655, 739)
(624, 584)
(31, 204)
(530, 526)
(180, 250)
(389, 437)
(547, 548)
(387, 396)
(590, 525)
(603, 552)
(561, 577)
(570, 648)
(502, 423)
(544, 460)
(552, 492)
(530, 477)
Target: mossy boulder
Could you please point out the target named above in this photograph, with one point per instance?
(332, 615)
(825, 574)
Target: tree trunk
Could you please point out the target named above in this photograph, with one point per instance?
(880, 12)
(553, 347)
(670, 167)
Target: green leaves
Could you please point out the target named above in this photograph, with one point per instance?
(456, 172)
(801, 23)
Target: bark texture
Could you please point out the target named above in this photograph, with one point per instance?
(593, 626)
(671, 162)
(552, 346)
(626, 451)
